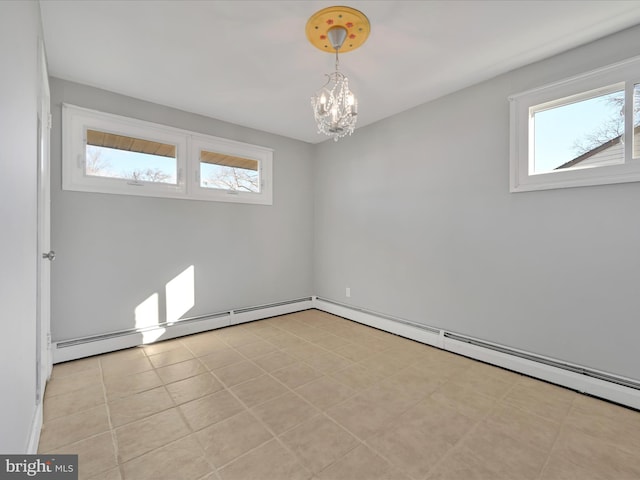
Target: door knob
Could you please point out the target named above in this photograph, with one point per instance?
(50, 255)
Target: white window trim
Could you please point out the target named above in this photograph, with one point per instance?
(521, 177)
(76, 120)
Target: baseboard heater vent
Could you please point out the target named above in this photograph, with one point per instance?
(383, 315)
(553, 363)
(122, 333)
(271, 305)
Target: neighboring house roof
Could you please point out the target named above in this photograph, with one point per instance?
(609, 153)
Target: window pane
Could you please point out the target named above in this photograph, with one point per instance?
(582, 134)
(128, 158)
(227, 172)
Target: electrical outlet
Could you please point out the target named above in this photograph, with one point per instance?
(348, 292)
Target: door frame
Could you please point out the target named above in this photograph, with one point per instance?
(44, 363)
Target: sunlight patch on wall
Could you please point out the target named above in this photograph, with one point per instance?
(180, 294)
(147, 317)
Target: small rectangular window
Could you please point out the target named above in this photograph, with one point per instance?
(226, 172)
(232, 171)
(118, 156)
(574, 132)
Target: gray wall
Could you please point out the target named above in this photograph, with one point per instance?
(19, 30)
(414, 214)
(114, 251)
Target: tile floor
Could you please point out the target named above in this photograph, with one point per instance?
(314, 396)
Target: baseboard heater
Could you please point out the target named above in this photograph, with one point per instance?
(546, 361)
(95, 344)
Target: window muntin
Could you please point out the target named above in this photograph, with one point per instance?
(113, 154)
(593, 111)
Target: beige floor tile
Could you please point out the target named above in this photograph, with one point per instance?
(325, 392)
(210, 409)
(138, 406)
(360, 415)
(286, 340)
(413, 383)
(410, 450)
(96, 454)
(310, 334)
(256, 349)
(440, 421)
(489, 385)
(72, 382)
(559, 468)
(284, 412)
(597, 455)
(524, 427)
(83, 365)
(236, 337)
(296, 374)
(355, 352)
(357, 376)
(170, 357)
(515, 459)
(258, 390)
(121, 387)
(110, 475)
(540, 398)
(73, 402)
(361, 464)
(204, 344)
(193, 388)
(304, 351)
(73, 428)
(618, 425)
(331, 342)
(180, 460)
(470, 403)
(138, 438)
(319, 442)
(264, 330)
(238, 372)
(161, 347)
(269, 461)
(461, 463)
(125, 366)
(227, 440)
(328, 362)
(180, 371)
(221, 358)
(274, 361)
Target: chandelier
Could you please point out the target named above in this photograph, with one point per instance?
(334, 29)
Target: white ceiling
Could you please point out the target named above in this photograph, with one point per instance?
(249, 62)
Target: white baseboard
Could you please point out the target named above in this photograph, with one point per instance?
(64, 351)
(34, 432)
(582, 383)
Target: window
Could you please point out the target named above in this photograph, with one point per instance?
(112, 154)
(574, 133)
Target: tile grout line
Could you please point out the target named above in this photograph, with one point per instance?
(112, 431)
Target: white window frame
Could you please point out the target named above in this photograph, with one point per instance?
(236, 149)
(76, 120)
(523, 105)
